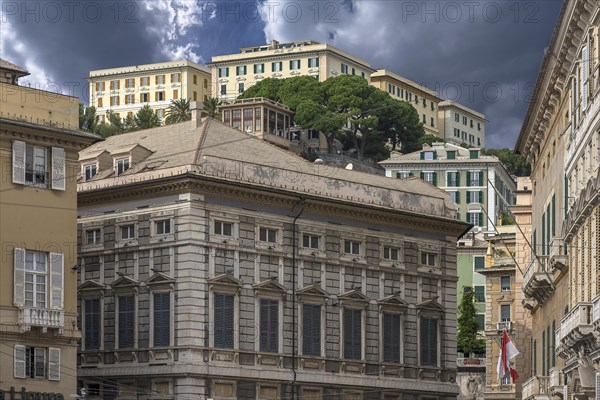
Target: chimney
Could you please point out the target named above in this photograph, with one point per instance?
(273, 45)
(196, 108)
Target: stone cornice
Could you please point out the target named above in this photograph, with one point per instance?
(588, 199)
(18, 130)
(279, 198)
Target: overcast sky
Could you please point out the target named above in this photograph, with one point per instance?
(483, 54)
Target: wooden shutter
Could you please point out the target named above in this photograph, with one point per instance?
(584, 77)
(54, 364)
(480, 197)
(352, 334)
(172, 78)
(156, 79)
(254, 68)
(311, 329)
(218, 320)
(56, 281)
(229, 323)
(18, 160)
(126, 321)
(58, 168)
(19, 361)
(457, 197)
(429, 341)
(434, 153)
(481, 221)
(19, 283)
(553, 215)
(422, 175)
(291, 65)
(162, 318)
(224, 323)
(458, 178)
(434, 178)
(175, 94)
(481, 178)
(468, 197)
(269, 325)
(118, 84)
(468, 178)
(99, 102)
(391, 337)
(422, 155)
(155, 96)
(92, 323)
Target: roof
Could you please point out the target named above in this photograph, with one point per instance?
(450, 103)
(441, 149)
(132, 69)
(382, 73)
(215, 150)
(4, 64)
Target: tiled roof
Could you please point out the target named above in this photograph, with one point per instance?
(4, 64)
(216, 150)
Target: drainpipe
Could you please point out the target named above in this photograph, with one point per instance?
(294, 273)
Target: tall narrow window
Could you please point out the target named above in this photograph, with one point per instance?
(91, 332)
(505, 312)
(429, 341)
(269, 325)
(391, 337)
(352, 334)
(126, 321)
(223, 320)
(162, 318)
(311, 329)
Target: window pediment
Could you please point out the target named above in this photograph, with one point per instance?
(91, 287)
(354, 297)
(125, 283)
(313, 292)
(430, 306)
(159, 280)
(392, 301)
(225, 282)
(270, 286)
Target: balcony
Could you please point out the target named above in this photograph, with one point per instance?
(575, 333)
(504, 325)
(596, 315)
(557, 258)
(470, 363)
(556, 384)
(536, 387)
(529, 303)
(537, 281)
(41, 317)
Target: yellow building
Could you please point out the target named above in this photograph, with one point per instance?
(424, 100)
(39, 147)
(125, 90)
(459, 124)
(560, 139)
(234, 73)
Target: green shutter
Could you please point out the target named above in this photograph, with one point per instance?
(457, 197)
(554, 343)
(458, 178)
(398, 175)
(534, 242)
(434, 178)
(411, 174)
(481, 219)
(435, 155)
(548, 233)
(535, 357)
(480, 197)
(422, 175)
(291, 66)
(468, 178)
(422, 155)
(543, 240)
(481, 178)
(553, 215)
(254, 68)
(566, 196)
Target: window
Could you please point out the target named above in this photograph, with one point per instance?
(430, 177)
(162, 319)
(114, 85)
(479, 262)
(344, 68)
(313, 134)
(313, 62)
(259, 68)
(473, 154)
(471, 123)
(121, 165)
(428, 259)
(475, 218)
(93, 236)
(505, 283)
(163, 227)
(505, 379)
(475, 178)
(36, 362)
(195, 96)
(480, 294)
(429, 341)
(126, 321)
(129, 83)
(195, 79)
(424, 119)
(424, 103)
(276, 66)
(128, 231)
(99, 86)
(160, 96)
(36, 276)
(160, 113)
(269, 325)
(223, 89)
(352, 334)
(144, 97)
(240, 70)
(456, 117)
(480, 319)
(160, 79)
(402, 174)
(432, 122)
(240, 87)
(223, 72)
(89, 171)
(391, 337)
(92, 326)
(464, 120)
(205, 83)
(505, 312)
(310, 241)
(478, 126)
(456, 132)
(100, 103)
(311, 329)
(455, 196)
(391, 253)
(294, 64)
(223, 228)
(428, 155)
(351, 247)
(453, 179)
(268, 235)
(175, 94)
(145, 81)
(223, 320)
(36, 163)
(129, 99)
(475, 197)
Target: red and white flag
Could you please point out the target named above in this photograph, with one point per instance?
(508, 351)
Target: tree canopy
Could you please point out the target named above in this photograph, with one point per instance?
(346, 107)
(145, 118)
(515, 163)
(468, 339)
(178, 111)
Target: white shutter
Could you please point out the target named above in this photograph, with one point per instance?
(597, 384)
(572, 104)
(19, 284)
(18, 160)
(58, 168)
(56, 281)
(19, 361)
(54, 364)
(584, 77)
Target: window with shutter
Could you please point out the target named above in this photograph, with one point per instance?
(54, 364)
(19, 362)
(19, 272)
(91, 330)
(56, 281)
(311, 329)
(223, 321)
(429, 341)
(269, 325)
(352, 334)
(18, 161)
(162, 319)
(126, 321)
(391, 337)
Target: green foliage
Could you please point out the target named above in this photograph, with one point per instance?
(146, 118)
(88, 120)
(211, 107)
(328, 106)
(468, 340)
(506, 218)
(178, 111)
(514, 163)
(429, 139)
